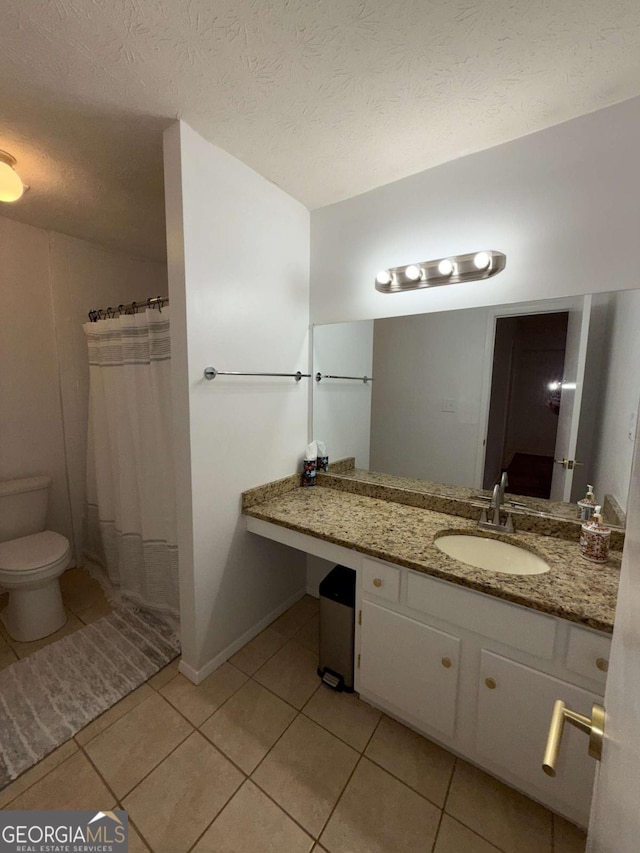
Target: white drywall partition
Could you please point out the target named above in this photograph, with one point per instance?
(238, 250)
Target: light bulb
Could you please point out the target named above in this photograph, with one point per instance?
(482, 260)
(383, 277)
(445, 267)
(11, 187)
(412, 272)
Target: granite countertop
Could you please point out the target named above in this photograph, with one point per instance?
(574, 588)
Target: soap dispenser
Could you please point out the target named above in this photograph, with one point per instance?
(594, 539)
(587, 506)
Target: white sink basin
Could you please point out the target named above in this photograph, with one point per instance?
(491, 554)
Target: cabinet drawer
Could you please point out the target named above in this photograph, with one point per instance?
(588, 654)
(381, 580)
(508, 623)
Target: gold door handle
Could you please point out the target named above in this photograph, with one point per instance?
(569, 464)
(592, 726)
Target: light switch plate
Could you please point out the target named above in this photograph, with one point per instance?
(448, 405)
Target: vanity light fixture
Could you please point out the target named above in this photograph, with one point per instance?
(481, 260)
(446, 267)
(454, 270)
(11, 186)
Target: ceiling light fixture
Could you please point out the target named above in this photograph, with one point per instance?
(453, 270)
(11, 186)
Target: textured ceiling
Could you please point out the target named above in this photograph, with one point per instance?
(327, 98)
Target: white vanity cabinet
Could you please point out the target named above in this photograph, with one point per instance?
(480, 675)
(514, 711)
(410, 665)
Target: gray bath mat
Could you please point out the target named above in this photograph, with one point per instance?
(49, 696)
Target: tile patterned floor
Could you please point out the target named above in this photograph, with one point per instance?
(262, 757)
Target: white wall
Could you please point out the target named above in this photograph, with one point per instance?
(560, 203)
(619, 405)
(49, 283)
(342, 407)
(31, 434)
(420, 362)
(238, 251)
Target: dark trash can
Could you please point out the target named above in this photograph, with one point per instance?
(337, 628)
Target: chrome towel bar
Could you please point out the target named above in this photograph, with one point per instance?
(321, 376)
(211, 373)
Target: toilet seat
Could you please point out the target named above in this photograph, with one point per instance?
(34, 554)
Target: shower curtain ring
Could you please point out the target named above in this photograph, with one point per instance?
(134, 307)
(120, 307)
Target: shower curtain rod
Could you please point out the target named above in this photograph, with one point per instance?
(130, 308)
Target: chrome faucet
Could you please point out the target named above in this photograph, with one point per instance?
(497, 500)
(504, 482)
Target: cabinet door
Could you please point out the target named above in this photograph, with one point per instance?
(515, 704)
(410, 666)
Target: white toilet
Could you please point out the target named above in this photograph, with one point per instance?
(31, 560)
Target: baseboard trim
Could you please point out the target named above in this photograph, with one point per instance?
(198, 675)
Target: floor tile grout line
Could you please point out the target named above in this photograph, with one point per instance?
(339, 797)
(453, 773)
(444, 803)
(182, 714)
(218, 813)
(224, 754)
(286, 640)
(146, 775)
(106, 711)
(281, 807)
(35, 782)
(138, 830)
(297, 710)
(99, 774)
(274, 743)
(262, 665)
(377, 763)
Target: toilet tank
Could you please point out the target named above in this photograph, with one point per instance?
(23, 506)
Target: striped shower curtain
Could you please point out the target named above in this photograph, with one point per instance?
(130, 518)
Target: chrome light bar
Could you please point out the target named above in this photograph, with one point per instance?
(452, 270)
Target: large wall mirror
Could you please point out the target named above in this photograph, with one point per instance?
(547, 391)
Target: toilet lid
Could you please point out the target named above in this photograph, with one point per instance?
(33, 552)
